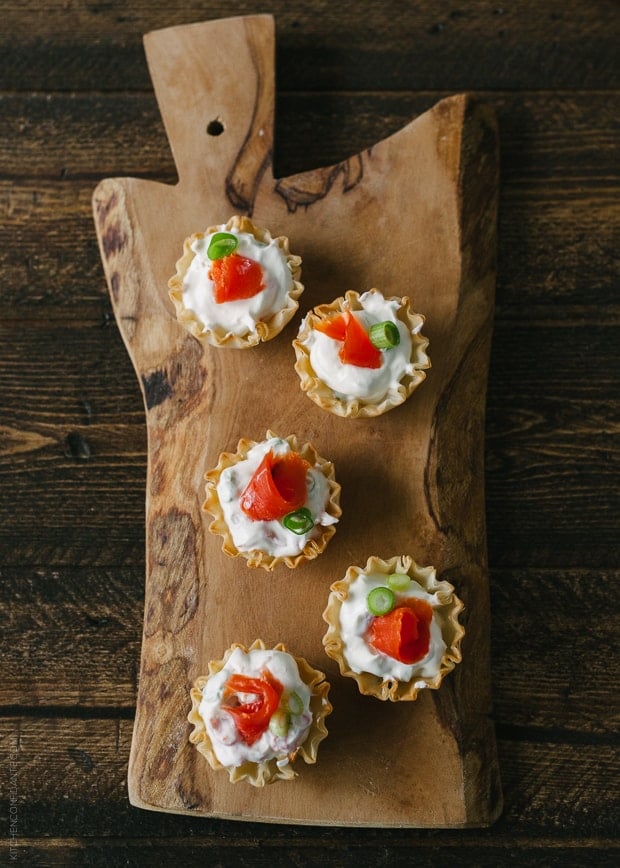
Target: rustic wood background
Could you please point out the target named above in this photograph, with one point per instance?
(76, 105)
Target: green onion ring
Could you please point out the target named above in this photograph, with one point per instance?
(279, 722)
(380, 601)
(384, 335)
(300, 521)
(295, 704)
(399, 581)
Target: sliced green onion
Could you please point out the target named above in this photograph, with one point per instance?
(300, 521)
(380, 601)
(222, 244)
(384, 335)
(399, 582)
(295, 703)
(278, 723)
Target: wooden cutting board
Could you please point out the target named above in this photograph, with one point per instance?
(413, 215)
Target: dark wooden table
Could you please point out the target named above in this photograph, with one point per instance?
(76, 105)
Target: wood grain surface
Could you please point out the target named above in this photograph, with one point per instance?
(76, 106)
(415, 215)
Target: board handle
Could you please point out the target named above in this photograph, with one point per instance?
(215, 87)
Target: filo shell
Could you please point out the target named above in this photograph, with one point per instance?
(268, 771)
(324, 397)
(256, 557)
(266, 329)
(446, 615)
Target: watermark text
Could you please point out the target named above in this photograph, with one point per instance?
(13, 797)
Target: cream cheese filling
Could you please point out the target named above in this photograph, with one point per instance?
(237, 317)
(270, 537)
(350, 381)
(355, 619)
(228, 746)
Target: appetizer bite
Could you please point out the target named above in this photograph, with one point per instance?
(273, 502)
(257, 710)
(235, 284)
(361, 355)
(393, 628)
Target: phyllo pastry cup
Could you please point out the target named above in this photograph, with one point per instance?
(293, 538)
(201, 298)
(368, 602)
(294, 729)
(384, 380)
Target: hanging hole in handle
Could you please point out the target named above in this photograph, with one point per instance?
(215, 127)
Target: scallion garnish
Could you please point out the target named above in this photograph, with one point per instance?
(384, 335)
(399, 581)
(278, 722)
(380, 601)
(222, 244)
(295, 703)
(300, 521)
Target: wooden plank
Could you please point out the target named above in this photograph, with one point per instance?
(457, 194)
(258, 853)
(75, 543)
(532, 282)
(555, 684)
(95, 664)
(557, 249)
(550, 445)
(548, 138)
(363, 46)
(72, 777)
(549, 143)
(98, 391)
(548, 671)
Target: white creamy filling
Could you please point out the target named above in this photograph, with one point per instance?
(355, 620)
(270, 537)
(237, 317)
(351, 381)
(228, 745)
